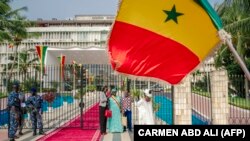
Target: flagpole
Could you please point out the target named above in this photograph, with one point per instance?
(41, 78)
(238, 58)
(227, 39)
(61, 79)
(74, 80)
(41, 71)
(60, 70)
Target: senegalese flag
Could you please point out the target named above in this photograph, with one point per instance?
(41, 51)
(163, 39)
(61, 60)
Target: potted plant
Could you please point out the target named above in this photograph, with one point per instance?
(136, 94)
(49, 97)
(156, 106)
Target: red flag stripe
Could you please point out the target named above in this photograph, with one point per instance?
(38, 49)
(158, 53)
(63, 62)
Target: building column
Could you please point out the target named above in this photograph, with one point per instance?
(219, 97)
(182, 112)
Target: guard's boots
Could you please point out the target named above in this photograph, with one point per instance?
(41, 132)
(34, 132)
(12, 139)
(20, 133)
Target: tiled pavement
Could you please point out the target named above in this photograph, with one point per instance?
(126, 136)
(28, 135)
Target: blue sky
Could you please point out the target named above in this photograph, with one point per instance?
(64, 9)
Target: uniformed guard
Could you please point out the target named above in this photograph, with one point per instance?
(34, 102)
(23, 111)
(14, 106)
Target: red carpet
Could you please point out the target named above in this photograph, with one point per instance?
(89, 133)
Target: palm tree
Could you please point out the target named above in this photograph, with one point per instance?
(4, 23)
(29, 69)
(25, 63)
(13, 27)
(235, 15)
(18, 34)
(9, 19)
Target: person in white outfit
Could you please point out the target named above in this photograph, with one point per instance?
(145, 109)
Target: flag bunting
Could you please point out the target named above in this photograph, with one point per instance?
(41, 51)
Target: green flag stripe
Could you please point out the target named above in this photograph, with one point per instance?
(59, 59)
(213, 15)
(44, 50)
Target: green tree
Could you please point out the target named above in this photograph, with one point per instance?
(13, 27)
(7, 16)
(235, 15)
(25, 63)
(27, 66)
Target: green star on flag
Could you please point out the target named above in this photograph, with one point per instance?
(160, 43)
(172, 15)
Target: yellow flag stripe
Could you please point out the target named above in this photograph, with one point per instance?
(194, 29)
(41, 59)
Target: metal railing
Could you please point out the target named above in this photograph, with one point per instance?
(238, 98)
(83, 84)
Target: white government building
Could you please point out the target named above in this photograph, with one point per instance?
(82, 38)
(76, 38)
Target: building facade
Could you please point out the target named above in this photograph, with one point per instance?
(83, 31)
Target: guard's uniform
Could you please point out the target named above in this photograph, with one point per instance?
(35, 103)
(22, 112)
(14, 106)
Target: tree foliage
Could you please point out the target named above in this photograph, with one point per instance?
(235, 15)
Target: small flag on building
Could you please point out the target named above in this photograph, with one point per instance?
(41, 51)
(11, 45)
(61, 60)
(163, 39)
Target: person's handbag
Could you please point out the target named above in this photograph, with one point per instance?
(124, 121)
(108, 113)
